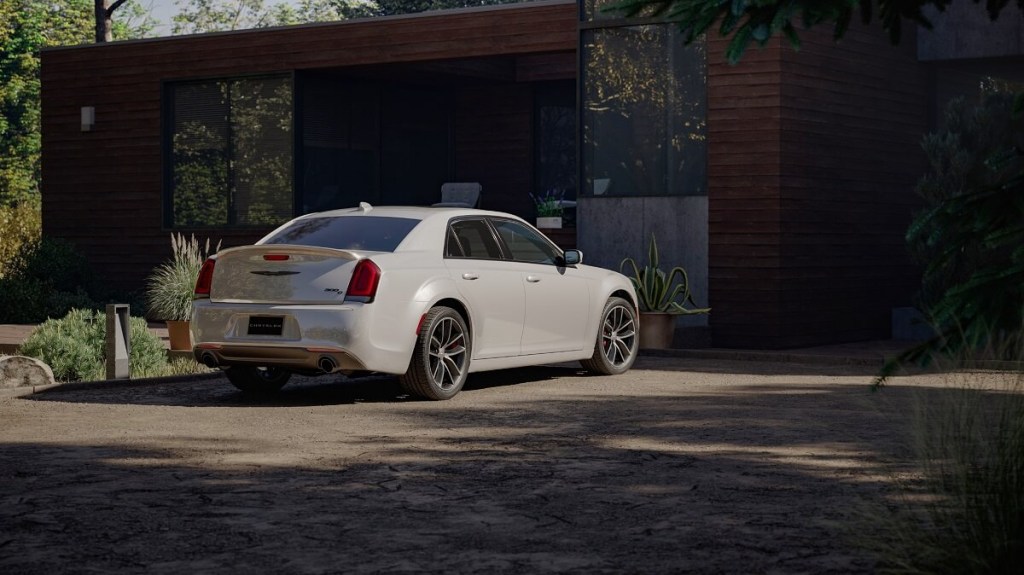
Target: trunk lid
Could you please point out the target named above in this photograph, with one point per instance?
(282, 274)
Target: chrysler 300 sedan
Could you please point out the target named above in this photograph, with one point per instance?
(428, 294)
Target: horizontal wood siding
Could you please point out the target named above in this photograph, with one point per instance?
(744, 118)
(494, 144)
(812, 162)
(102, 189)
(853, 117)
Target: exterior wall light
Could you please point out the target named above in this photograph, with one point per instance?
(88, 118)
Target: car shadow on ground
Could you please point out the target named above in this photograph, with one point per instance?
(301, 391)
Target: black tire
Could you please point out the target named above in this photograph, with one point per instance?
(258, 380)
(440, 361)
(617, 339)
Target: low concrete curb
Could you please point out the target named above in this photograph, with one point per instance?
(106, 384)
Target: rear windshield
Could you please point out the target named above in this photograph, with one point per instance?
(368, 233)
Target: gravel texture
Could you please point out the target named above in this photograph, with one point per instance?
(677, 466)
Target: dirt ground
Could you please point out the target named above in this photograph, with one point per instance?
(677, 466)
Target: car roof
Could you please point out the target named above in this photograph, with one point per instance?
(433, 221)
(412, 212)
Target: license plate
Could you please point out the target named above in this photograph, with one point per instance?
(265, 325)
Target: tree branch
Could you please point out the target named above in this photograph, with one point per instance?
(114, 6)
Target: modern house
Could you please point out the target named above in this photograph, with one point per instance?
(783, 184)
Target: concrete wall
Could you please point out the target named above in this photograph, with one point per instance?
(610, 229)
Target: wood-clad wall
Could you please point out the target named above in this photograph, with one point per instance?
(103, 189)
(813, 160)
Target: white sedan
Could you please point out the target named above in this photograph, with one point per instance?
(429, 294)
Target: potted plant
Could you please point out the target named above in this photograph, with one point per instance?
(549, 208)
(171, 286)
(661, 297)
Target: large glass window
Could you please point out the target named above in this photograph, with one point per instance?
(230, 152)
(643, 112)
(370, 233)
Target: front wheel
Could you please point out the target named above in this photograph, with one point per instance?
(258, 380)
(440, 361)
(617, 342)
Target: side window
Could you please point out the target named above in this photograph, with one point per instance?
(526, 244)
(474, 240)
(453, 249)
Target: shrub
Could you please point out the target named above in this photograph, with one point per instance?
(169, 289)
(73, 347)
(20, 225)
(45, 279)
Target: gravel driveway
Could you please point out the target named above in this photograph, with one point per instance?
(678, 465)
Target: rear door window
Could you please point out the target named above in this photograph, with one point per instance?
(364, 233)
(472, 238)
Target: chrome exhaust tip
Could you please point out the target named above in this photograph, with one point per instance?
(209, 360)
(327, 364)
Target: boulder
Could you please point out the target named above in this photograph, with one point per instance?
(21, 371)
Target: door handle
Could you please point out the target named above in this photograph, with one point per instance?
(469, 276)
(532, 279)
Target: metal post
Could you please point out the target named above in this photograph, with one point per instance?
(118, 344)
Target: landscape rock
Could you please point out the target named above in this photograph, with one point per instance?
(21, 371)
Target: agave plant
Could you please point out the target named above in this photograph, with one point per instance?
(170, 287)
(660, 292)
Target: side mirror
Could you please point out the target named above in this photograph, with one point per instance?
(572, 257)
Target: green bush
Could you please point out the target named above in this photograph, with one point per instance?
(73, 347)
(46, 279)
(19, 225)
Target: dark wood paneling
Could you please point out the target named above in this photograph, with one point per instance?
(494, 144)
(808, 211)
(102, 189)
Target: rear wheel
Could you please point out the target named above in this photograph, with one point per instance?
(440, 361)
(261, 380)
(617, 341)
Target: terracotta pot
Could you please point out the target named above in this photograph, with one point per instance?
(179, 335)
(656, 330)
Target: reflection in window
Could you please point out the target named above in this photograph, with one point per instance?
(230, 152)
(369, 233)
(525, 244)
(644, 113)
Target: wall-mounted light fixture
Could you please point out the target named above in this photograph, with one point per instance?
(88, 118)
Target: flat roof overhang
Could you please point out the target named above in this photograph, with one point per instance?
(532, 28)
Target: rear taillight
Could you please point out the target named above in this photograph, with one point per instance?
(205, 279)
(363, 285)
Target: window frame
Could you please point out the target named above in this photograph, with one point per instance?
(167, 122)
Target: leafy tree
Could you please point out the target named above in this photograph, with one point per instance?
(199, 16)
(758, 20)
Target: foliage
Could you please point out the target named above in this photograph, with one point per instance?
(198, 16)
(660, 292)
(20, 225)
(759, 20)
(974, 241)
(549, 204)
(73, 347)
(46, 278)
(248, 159)
(170, 288)
(965, 514)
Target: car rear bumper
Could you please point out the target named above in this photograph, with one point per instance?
(308, 360)
(348, 337)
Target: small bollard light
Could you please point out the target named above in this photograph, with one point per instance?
(118, 344)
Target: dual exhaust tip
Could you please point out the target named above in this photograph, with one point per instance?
(326, 363)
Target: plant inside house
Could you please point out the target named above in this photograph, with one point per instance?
(170, 287)
(549, 208)
(661, 296)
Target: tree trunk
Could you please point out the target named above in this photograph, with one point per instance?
(103, 32)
